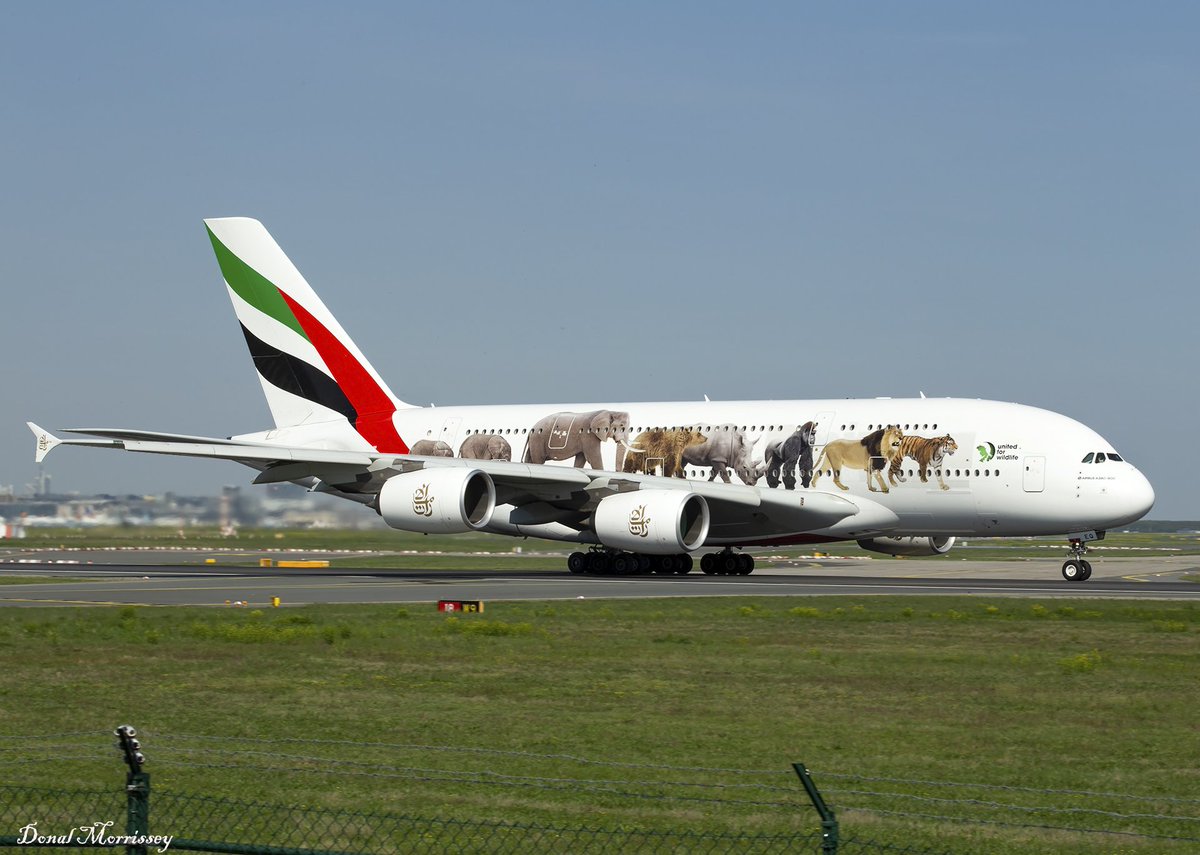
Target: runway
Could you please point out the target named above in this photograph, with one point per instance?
(162, 584)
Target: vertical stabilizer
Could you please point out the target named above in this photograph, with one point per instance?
(310, 369)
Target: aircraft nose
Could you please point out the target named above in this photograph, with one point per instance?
(1138, 495)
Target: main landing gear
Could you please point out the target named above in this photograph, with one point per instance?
(599, 561)
(611, 562)
(1076, 568)
(727, 563)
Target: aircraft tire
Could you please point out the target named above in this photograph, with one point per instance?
(1087, 571)
(683, 564)
(745, 564)
(1072, 571)
(599, 563)
(708, 564)
(577, 563)
(727, 564)
(645, 563)
(620, 564)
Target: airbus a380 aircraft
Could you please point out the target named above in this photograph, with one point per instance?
(637, 484)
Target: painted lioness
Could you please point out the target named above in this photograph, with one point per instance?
(871, 453)
(928, 452)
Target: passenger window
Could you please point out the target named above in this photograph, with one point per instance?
(1088, 457)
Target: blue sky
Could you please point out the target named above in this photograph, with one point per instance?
(562, 202)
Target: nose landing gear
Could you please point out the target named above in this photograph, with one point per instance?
(1077, 568)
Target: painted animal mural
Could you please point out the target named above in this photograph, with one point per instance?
(871, 454)
(654, 448)
(928, 452)
(782, 458)
(431, 448)
(485, 446)
(561, 436)
(724, 448)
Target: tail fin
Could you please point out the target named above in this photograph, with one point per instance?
(310, 369)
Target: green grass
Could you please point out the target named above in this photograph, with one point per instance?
(404, 550)
(1055, 695)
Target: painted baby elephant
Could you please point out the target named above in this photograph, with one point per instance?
(485, 446)
(561, 436)
(431, 448)
(724, 448)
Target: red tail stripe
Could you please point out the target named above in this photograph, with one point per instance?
(371, 403)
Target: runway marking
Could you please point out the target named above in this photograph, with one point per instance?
(55, 602)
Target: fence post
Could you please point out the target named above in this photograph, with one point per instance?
(137, 790)
(829, 825)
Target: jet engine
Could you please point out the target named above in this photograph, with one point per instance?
(438, 500)
(653, 522)
(910, 546)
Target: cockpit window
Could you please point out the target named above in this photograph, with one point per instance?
(1088, 457)
(1099, 456)
(1112, 455)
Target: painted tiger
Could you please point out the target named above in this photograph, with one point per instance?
(927, 451)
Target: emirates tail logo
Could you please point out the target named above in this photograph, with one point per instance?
(422, 501)
(43, 442)
(639, 523)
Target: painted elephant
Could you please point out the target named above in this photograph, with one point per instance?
(661, 448)
(724, 448)
(783, 457)
(431, 448)
(561, 436)
(485, 446)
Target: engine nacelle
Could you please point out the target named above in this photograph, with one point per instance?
(438, 500)
(910, 546)
(654, 522)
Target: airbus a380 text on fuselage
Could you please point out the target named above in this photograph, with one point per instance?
(644, 486)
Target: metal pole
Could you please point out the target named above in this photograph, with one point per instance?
(137, 814)
(829, 825)
(137, 790)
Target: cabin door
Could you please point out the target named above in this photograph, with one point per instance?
(1035, 474)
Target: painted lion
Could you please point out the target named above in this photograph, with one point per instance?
(871, 454)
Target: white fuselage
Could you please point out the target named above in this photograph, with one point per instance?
(1014, 470)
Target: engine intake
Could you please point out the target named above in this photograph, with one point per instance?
(909, 546)
(653, 522)
(438, 500)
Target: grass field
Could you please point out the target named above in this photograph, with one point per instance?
(403, 550)
(1052, 696)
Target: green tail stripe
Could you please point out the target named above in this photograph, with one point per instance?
(252, 287)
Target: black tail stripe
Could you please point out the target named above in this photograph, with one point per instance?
(294, 375)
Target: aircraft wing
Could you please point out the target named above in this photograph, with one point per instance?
(738, 512)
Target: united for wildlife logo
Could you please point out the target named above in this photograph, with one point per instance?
(422, 501)
(639, 523)
(986, 452)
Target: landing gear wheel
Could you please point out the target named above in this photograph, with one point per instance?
(745, 564)
(645, 563)
(620, 564)
(577, 563)
(683, 564)
(599, 563)
(727, 563)
(1077, 568)
(666, 565)
(1073, 571)
(708, 563)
